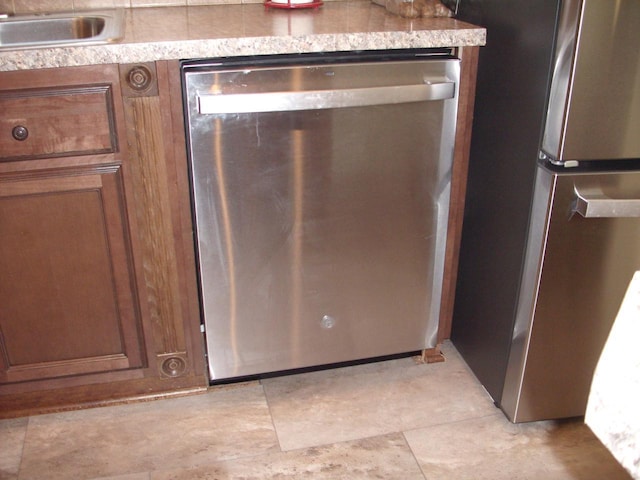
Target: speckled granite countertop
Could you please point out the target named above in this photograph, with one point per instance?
(168, 33)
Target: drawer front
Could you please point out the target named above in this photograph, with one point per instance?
(57, 122)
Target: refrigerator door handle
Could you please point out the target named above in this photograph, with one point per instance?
(592, 202)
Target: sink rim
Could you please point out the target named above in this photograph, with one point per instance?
(112, 32)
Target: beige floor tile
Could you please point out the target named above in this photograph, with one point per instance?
(12, 433)
(386, 457)
(182, 432)
(374, 399)
(134, 476)
(492, 448)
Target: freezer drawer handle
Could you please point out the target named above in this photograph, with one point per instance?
(323, 99)
(593, 203)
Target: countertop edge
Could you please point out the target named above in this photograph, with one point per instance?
(142, 50)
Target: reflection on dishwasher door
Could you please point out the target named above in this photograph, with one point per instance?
(320, 196)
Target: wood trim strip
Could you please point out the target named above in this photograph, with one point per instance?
(466, 100)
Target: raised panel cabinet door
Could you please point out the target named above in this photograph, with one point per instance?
(67, 286)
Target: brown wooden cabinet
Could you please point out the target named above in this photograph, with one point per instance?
(97, 285)
(69, 303)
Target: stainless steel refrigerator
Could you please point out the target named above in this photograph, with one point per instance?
(551, 233)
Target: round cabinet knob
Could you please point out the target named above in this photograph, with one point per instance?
(139, 78)
(174, 366)
(20, 133)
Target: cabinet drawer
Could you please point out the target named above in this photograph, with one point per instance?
(57, 122)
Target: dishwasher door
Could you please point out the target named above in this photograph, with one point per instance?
(320, 196)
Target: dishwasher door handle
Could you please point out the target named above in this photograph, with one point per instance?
(594, 203)
(323, 99)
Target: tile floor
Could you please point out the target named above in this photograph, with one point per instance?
(397, 419)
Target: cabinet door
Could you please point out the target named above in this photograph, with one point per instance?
(67, 281)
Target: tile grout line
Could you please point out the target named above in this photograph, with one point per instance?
(273, 423)
(413, 454)
(453, 422)
(24, 442)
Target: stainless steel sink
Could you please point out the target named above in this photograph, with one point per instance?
(61, 29)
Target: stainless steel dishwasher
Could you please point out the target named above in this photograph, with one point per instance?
(320, 188)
